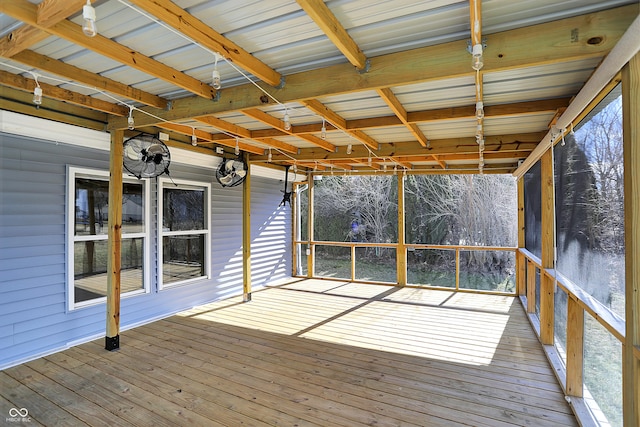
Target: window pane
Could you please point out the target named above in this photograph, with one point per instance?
(183, 209)
(488, 270)
(603, 371)
(461, 209)
(356, 209)
(560, 322)
(90, 268)
(333, 261)
(92, 207)
(376, 264)
(303, 215)
(590, 205)
(533, 210)
(182, 257)
(431, 267)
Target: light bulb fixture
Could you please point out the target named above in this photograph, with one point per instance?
(481, 144)
(269, 156)
(384, 167)
(571, 132)
(323, 131)
(369, 160)
(194, 138)
(215, 75)
(237, 147)
(428, 144)
(295, 168)
(37, 91)
(349, 148)
(479, 110)
(476, 57)
(562, 143)
(287, 121)
(89, 14)
(130, 122)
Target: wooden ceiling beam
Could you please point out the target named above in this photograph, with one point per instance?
(198, 31)
(206, 137)
(545, 44)
(27, 13)
(21, 102)
(329, 24)
(225, 126)
(340, 123)
(279, 124)
(501, 143)
(243, 133)
(73, 73)
(49, 12)
(49, 91)
(20, 39)
(394, 103)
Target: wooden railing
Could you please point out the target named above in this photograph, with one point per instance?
(402, 251)
(579, 302)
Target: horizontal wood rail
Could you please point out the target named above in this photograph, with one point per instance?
(407, 248)
(612, 322)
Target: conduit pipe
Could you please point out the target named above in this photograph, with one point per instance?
(622, 52)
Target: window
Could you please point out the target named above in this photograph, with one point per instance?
(184, 233)
(88, 224)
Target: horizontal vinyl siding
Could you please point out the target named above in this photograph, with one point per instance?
(270, 233)
(34, 318)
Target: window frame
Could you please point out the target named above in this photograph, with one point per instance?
(206, 232)
(73, 173)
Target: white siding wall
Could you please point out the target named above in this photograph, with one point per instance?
(34, 319)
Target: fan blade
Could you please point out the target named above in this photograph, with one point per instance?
(229, 166)
(226, 180)
(241, 173)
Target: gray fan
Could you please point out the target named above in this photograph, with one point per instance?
(145, 156)
(231, 172)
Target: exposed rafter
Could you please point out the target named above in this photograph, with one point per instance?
(431, 63)
(326, 20)
(192, 27)
(27, 13)
(19, 82)
(279, 124)
(53, 66)
(335, 119)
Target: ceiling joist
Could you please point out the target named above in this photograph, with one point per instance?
(431, 63)
(201, 33)
(27, 13)
(326, 20)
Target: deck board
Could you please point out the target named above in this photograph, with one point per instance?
(311, 353)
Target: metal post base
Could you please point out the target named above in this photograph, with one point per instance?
(112, 343)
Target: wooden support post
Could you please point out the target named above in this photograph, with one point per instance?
(457, 269)
(575, 347)
(114, 242)
(631, 148)
(531, 287)
(353, 263)
(521, 266)
(547, 290)
(311, 250)
(246, 235)
(401, 251)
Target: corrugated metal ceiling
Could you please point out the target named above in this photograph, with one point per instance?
(281, 35)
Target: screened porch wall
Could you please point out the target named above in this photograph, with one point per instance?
(34, 317)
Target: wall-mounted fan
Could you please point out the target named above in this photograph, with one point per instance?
(231, 172)
(145, 156)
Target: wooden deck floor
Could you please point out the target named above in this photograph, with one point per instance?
(310, 353)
